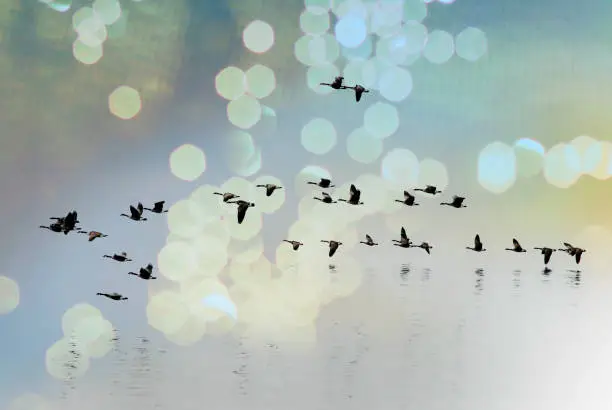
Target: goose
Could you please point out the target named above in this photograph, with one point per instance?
(295, 244)
(423, 245)
(323, 183)
(93, 235)
(119, 257)
(547, 252)
(326, 198)
(69, 222)
(429, 189)
(227, 196)
(404, 242)
(243, 206)
(158, 208)
(477, 245)
(359, 90)
(145, 273)
(369, 241)
(354, 196)
(573, 251)
(456, 203)
(270, 188)
(517, 246)
(135, 213)
(55, 227)
(333, 247)
(113, 296)
(408, 199)
(337, 84)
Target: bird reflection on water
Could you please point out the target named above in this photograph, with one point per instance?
(426, 275)
(575, 277)
(516, 279)
(404, 271)
(478, 284)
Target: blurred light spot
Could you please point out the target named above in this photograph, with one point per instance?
(250, 226)
(29, 401)
(258, 36)
(221, 303)
(239, 148)
(562, 165)
(9, 295)
(361, 52)
(353, 71)
(363, 147)
(400, 48)
(415, 35)
(244, 112)
(310, 173)
(497, 167)
(124, 102)
(108, 10)
(177, 261)
(345, 8)
(529, 157)
(187, 162)
(415, 10)
(601, 170)
(85, 54)
(75, 314)
(119, 27)
(187, 219)
(231, 83)
(385, 18)
(302, 50)
(351, 31)
(92, 31)
(395, 83)
(446, 1)
(381, 120)
(246, 252)
(323, 49)
(318, 6)
(313, 22)
(167, 311)
(63, 361)
(60, 5)
(319, 136)
(82, 14)
(321, 74)
(439, 47)
(471, 44)
(400, 167)
(433, 172)
(590, 152)
(211, 252)
(260, 80)
(94, 336)
(269, 204)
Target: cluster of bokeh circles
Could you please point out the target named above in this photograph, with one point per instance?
(501, 164)
(87, 335)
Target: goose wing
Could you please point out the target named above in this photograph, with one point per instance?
(159, 205)
(333, 247)
(358, 94)
(325, 182)
(516, 243)
(477, 242)
(547, 255)
(140, 208)
(567, 245)
(578, 256)
(325, 195)
(242, 209)
(270, 189)
(134, 212)
(403, 234)
(369, 238)
(407, 195)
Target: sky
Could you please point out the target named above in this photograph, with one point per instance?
(109, 103)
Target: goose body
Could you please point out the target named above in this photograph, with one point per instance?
(136, 213)
(333, 247)
(119, 257)
(573, 251)
(457, 202)
(354, 196)
(547, 252)
(158, 207)
(243, 206)
(424, 245)
(404, 242)
(478, 247)
(294, 244)
(93, 235)
(325, 198)
(359, 90)
(516, 246)
(369, 241)
(323, 183)
(270, 188)
(113, 296)
(54, 227)
(145, 273)
(408, 199)
(429, 189)
(337, 84)
(227, 196)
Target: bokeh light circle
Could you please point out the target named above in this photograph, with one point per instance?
(363, 147)
(85, 54)
(260, 81)
(319, 136)
(324, 73)
(433, 172)
(529, 157)
(381, 120)
(258, 36)
(395, 83)
(313, 22)
(9, 295)
(497, 167)
(187, 162)
(471, 44)
(244, 112)
(415, 10)
(351, 30)
(439, 47)
(562, 165)
(400, 167)
(124, 102)
(230, 83)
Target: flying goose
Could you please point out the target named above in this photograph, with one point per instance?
(369, 241)
(477, 245)
(93, 235)
(55, 227)
(354, 196)
(547, 252)
(456, 203)
(68, 222)
(337, 84)
(323, 183)
(227, 196)
(136, 213)
(333, 247)
(113, 296)
(295, 244)
(429, 189)
(144, 273)
(270, 188)
(516, 246)
(408, 199)
(359, 90)
(243, 206)
(573, 251)
(326, 198)
(158, 208)
(423, 245)
(404, 242)
(119, 257)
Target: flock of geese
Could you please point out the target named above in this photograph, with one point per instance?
(338, 84)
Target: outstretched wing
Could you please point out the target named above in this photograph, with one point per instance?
(140, 208)
(134, 212)
(325, 195)
(242, 209)
(325, 181)
(369, 238)
(403, 233)
(333, 247)
(547, 255)
(567, 245)
(578, 256)
(516, 243)
(477, 242)
(270, 190)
